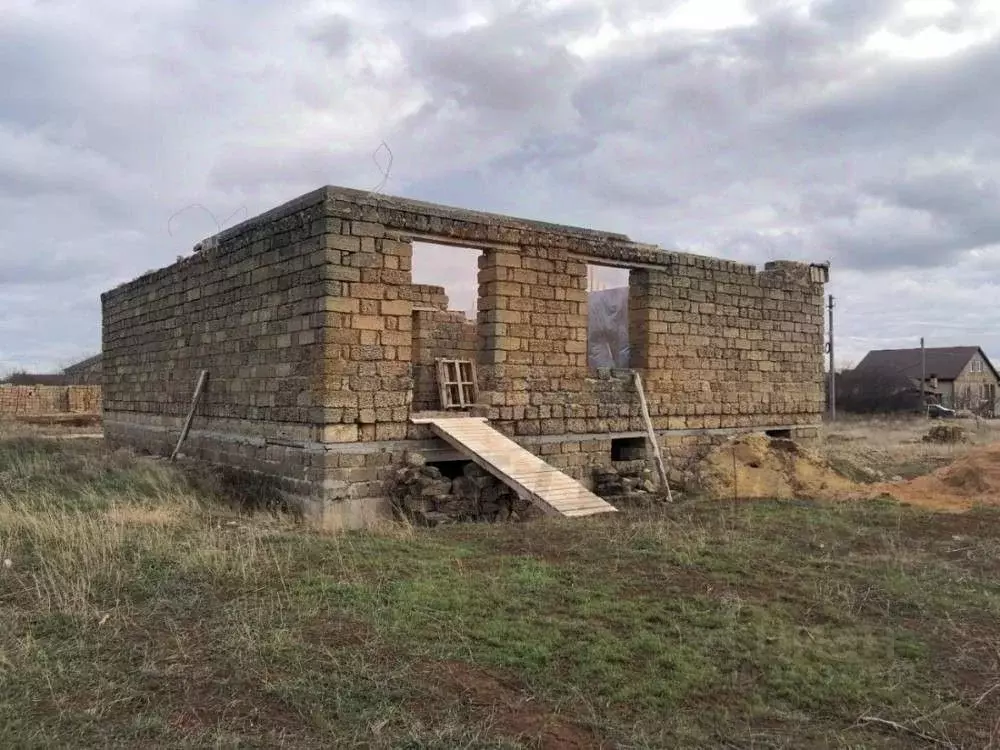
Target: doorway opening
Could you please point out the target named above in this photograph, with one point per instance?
(445, 296)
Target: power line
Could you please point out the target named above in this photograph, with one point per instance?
(383, 146)
(218, 224)
(179, 211)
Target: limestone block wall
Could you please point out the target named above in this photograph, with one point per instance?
(31, 400)
(438, 334)
(83, 399)
(252, 309)
(427, 295)
(305, 319)
(366, 379)
(533, 322)
(725, 346)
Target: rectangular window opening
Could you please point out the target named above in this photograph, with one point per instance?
(446, 278)
(607, 317)
(628, 449)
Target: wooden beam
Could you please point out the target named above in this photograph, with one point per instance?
(190, 417)
(432, 420)
(651, 435)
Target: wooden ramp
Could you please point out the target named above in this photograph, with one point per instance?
(516, 467)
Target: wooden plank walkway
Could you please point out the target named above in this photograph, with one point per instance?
(519, 469)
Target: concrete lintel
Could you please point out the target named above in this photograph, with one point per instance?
(591, 436)
(437, 446)
(395, 204)
(438, 239)
(626, 264)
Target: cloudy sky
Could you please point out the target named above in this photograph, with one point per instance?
(864, 132)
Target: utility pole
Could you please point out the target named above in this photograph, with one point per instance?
(833, 377)
(923, 378)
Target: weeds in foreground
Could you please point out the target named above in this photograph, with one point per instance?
(139, 610)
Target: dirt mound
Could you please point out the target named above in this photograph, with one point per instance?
(973, 479)
(945, 433)
(756, 466)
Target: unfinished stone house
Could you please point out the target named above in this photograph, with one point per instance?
(324, 359)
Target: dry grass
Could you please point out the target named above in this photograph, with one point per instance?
(875, 449)
(140, 611)
(79, 525)
(11, 429)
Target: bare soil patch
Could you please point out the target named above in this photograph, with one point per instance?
(758, 467)
(973, 479)
(941, 475)
(877, 450)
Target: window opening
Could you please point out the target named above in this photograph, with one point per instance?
(607, 317)
(628, 449)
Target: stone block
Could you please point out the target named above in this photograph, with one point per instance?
(396, 307)
(368, 322)
(339, 433)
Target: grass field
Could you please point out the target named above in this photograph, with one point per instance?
(138, 610)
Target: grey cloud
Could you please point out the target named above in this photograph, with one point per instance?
(756, 248)
(853, 14)
(334, 34)
(927, 103)
(536, 152)
(41, 83)
(899, 245)
(30, 271)
(941, 215)
(242, 168)
(782, 139)
(43, 327)
(821, 203)
(510, 65)
(782, 114)
(887, 310)
(954, 193)
(752, 107)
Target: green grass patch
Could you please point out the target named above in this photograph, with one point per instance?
(137, 612)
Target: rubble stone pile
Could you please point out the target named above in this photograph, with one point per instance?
(424, 495)
(623, 480)
(945, 433)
